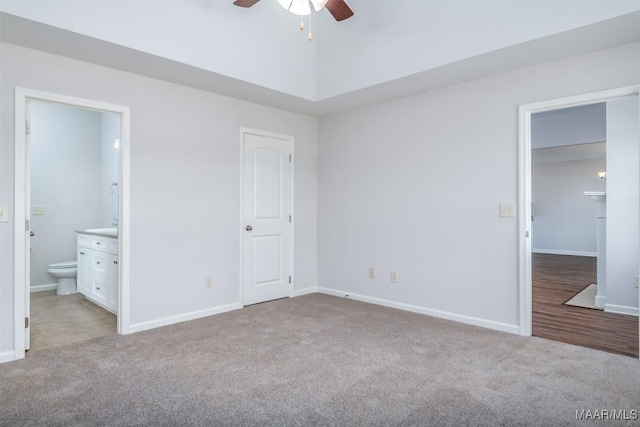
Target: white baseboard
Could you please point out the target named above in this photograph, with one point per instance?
(7, 356)
(165, 321)
(600, 300)
(490, 324)
(621, 309)
(42, 288)
(305, 291)
(562, 252)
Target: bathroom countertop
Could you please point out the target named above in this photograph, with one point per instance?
(103, 232)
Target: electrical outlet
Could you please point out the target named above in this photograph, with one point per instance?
(4, 214)
(394, 277)
(372, 273)
(37, 210)
(208, 282)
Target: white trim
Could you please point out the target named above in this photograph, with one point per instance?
(305, 291)
(621, 309)
(170, 320)
(7, 356)
(563, 252)
(42, 288)
(469, 320)
(524, 184)
(291, 139)
(22, 95)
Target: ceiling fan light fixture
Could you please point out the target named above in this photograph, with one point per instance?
(300, 7)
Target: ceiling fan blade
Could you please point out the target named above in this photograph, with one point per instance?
(245, 3)
(339, 9)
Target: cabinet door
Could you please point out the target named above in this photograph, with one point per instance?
(114, 285)
(84, 271)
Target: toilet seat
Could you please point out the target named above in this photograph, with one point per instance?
(63, 265)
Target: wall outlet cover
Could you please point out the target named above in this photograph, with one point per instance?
(208, 281)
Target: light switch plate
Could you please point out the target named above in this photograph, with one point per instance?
(37, 210)
(507, 210)
(4, 214)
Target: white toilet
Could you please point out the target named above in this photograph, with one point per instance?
(66, 273)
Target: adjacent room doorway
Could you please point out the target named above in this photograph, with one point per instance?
(624, 287)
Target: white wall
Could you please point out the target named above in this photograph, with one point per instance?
(414, 185)
(185, 160)
(623, 204)
(110, 130)
(387, 40)
(65, 178)
(564, 219)
(569, 126)
(261, 45)
(384, 41)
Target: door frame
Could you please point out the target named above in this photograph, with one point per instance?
(21, 194)
(243, 131)
(524, 191)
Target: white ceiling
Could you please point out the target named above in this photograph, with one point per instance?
(390, 48)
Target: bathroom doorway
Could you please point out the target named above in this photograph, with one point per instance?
(73, 184)
(72, 172)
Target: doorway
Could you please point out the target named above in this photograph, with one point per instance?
(73, 182)
(555, 272)
(267, 216)
(49, 213)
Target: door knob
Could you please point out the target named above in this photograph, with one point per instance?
(248, 228)
(31, 233)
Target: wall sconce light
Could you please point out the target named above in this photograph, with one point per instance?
(117, 144)
(602, 175)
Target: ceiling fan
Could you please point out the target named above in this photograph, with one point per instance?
(337, 8)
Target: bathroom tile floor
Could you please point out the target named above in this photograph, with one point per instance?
(63, 319)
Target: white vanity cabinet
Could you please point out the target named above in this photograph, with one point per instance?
(98, 270)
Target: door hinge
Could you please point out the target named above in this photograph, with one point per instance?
(527, 235)
(26, 322)
(27, 128)
(289, 158)
(289, 218)
(26, 225)
(289, 279)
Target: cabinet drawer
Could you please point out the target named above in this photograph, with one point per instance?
(100, 291)
(99, 243)
(100, 262)
(105, 244)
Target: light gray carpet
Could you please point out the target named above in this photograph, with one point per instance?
(316, 360)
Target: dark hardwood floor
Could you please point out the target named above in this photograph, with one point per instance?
(556, 278)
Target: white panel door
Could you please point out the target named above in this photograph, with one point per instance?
(267, 242)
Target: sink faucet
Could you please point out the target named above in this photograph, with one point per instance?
(115, 222)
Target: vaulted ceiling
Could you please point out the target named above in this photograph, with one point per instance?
(390, 48)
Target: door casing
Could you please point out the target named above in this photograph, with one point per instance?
(524, 190)
(21, 200)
